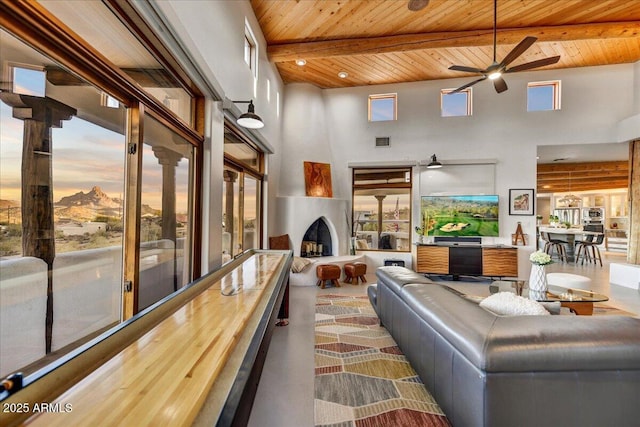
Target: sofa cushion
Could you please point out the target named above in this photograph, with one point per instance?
(510, 304)
(395, 278)
(300, 264)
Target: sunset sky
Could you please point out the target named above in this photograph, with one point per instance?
(84, 155)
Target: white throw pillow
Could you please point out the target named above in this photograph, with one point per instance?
(299, 264)
(510, 304)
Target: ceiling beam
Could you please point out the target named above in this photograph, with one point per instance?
(618, 165)
(408, 42)
(585, 186)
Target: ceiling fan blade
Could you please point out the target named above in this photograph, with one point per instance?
(518, 50)
(533, 64)
(467, 69)
(500, 85)
(463, 87)
(416, 5)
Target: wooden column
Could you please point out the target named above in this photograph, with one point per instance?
(229, 178)
(633, 254)
(169, 160)
(380, 199)
(38, 235)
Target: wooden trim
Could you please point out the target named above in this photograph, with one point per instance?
(633, 254)
(404, 43)
(130, 17)
(196, 208)
(33, 24)
(132, 211)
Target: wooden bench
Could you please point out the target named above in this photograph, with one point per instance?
(210, 348)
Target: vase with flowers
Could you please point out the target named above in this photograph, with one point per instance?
(538, 277)
(420, 232)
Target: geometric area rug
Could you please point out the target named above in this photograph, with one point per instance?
(362, 379)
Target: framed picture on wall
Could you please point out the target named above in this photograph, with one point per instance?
(521, 201)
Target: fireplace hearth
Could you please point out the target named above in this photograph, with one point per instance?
(317, 240)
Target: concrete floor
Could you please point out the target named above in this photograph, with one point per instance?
(286, 392)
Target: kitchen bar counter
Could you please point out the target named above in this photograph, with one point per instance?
(567, 235)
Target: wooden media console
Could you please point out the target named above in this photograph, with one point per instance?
(467, 259)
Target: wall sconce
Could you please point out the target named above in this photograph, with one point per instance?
(249, 119)
(435, 164)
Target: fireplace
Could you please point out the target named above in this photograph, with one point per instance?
(317, 240)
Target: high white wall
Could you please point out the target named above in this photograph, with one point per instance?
(212, 33)
(599, 104)
(596, 103)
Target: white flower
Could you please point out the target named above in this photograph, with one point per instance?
(540, 258)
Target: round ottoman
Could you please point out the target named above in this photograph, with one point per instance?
(355, 270)
(566, 280)
(328, 272)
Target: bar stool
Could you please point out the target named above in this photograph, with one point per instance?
(595, 250)
(552, 245)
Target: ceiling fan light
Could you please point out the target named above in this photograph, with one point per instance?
(494, 75)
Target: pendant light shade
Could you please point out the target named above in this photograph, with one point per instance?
(435, 164)
(250, 119)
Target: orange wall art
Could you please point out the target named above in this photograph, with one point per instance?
(317, 179)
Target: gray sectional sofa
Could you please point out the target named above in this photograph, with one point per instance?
(489, 370)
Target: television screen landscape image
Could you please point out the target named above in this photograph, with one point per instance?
(460, 216)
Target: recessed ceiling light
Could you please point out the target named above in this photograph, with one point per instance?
(300, 62)
(343, 74)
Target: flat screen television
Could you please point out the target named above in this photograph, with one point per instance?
(460, 216)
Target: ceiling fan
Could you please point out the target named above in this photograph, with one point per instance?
(497, 69)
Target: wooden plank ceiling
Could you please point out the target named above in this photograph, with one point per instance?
(586, 176)
(382, 41)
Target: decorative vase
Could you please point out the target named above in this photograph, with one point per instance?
(537, 282)
(420, 238)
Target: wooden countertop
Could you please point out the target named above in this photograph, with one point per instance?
(163, 378)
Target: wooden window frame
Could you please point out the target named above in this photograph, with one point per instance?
(373, 98)
(467, 91)
(555, 84)
(37, 27)
(399, 185)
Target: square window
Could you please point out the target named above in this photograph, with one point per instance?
(29, 81)
(455, 104)
(383, 107)
(250, 50)
(543, 96)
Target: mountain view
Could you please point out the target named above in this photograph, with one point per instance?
(75, 219)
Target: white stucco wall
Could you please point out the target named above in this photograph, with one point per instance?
(599, 105)
(212, 33)
(596, 103)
